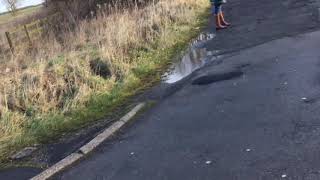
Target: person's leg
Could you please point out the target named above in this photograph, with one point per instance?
(217, 12)
(223, 21)
(217, 9)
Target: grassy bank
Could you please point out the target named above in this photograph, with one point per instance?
(62, 86)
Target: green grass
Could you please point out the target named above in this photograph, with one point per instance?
(8, 17)
(152, 64)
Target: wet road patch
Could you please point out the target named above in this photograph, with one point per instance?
(217, 77)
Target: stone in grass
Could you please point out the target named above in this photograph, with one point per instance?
(100, 68)
(23, 153)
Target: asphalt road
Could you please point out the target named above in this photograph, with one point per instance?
(263, 124)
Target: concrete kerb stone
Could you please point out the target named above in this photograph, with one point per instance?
(69, 160)
(101, 137)
(132, 113)
(89, 147)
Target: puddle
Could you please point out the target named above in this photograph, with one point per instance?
(196, 57)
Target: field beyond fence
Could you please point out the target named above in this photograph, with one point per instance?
(25, 34)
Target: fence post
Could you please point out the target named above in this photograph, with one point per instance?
(27, 34)
(10, 41)
(38, 28)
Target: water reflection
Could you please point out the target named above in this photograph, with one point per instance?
(196, 57)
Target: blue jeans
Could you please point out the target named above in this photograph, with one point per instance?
(216, 9)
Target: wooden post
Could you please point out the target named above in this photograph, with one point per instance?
(27, 34)
(10, 41)
(38, 28)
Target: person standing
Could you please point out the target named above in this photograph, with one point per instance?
(221, 23)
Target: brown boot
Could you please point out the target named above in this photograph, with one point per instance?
(223, 21)
(218, 23)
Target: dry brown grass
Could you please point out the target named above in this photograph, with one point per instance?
(57, 77)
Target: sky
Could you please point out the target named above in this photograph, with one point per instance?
(23, 3)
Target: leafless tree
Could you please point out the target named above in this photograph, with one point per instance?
(12, 5)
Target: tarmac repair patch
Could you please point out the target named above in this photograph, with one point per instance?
(216, 77)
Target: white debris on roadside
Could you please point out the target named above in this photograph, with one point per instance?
(283, 175)
(208, 162)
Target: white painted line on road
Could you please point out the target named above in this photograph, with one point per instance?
(89, 147)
